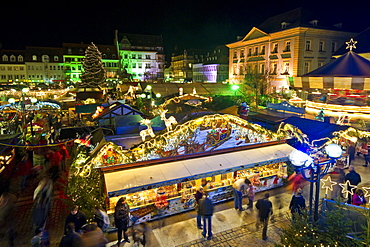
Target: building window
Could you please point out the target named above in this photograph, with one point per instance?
(320, 64)
(147, 57)
(275, 48)
(5, 58)
(308, 45)
(242, 53)
(256, 51)
(69, 51)
(125, 56)
(333, 46)
(133, 56)
(263, 49)
(81, 51)
(45, 58)
(34, 58)
(306, 67)
(321, 46)
(12, 58)
(250, 52)
(235, 55)
(274, 69)
(262, 69)
(139, 56)
(134, 66)
(287, 46)
(20, 58)
(56, 58)
(139, 65)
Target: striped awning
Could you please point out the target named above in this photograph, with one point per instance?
(359, 83)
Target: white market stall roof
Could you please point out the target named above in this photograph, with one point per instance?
(154, 176)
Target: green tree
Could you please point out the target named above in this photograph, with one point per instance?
(330, 230)
(94, 72)
(257, 85)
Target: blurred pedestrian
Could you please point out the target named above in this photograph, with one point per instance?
(367, 156)
(297, 203)
(42, 199)
(351, 153)
(251, 193)
(264, 207)
(77, 217)
(354, 179)
(72, 238)
(24, 169)
(93, 236)
(121, 219)
(41, 239)
(240, 187)
(139, 235)
(206, 211)
(359, 198)
(7, 212)
(337, 176)
(296, 181)
(101, 218)
(198, 195)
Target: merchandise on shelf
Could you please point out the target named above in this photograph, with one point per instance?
(177, 198)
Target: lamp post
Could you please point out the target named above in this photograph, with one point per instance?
(313, 169)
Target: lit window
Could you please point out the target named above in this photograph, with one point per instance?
(20, 58)
(287, 46)
(5, 58)
(56, 58)
(45, 58)
(34, 58)
(321, 46)
(308, 45)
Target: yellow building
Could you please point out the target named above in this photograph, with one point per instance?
(287, 45)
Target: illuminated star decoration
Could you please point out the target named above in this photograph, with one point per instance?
(345, 191)
(327, 184)
(367, 191)
(351, 44)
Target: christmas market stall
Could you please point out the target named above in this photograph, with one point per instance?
(159, 176)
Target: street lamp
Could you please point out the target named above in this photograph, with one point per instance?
(313, 169)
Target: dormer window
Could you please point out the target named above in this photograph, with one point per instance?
(314, 22)
(284, 25)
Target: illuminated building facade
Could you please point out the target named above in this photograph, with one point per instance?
(12, 66)
(74, 53)
(181, 69)
(44, 65)
(287, 45)
(215, 67)
(141, 57)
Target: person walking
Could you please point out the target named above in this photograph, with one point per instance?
(239, 188)
(42, 199)
(297, 203)
(77, 217)
(7, 213)
(337, 176)
(351, 153)
(206, 211)
(264, 207)
(354, 179)
(72, 238)
(121, 219)
(251, 193)
(101, 218)
(198, 195)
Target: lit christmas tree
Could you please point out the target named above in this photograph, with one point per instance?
(94, 72)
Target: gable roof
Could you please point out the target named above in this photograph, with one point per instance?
(299, 17)
(348, 65)
(254, 33)
(141, 40)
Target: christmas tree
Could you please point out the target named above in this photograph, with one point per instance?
(94, 72)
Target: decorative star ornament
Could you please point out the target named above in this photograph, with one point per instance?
(327, 184)
(367, 191)
(345, 191)
(351, 44)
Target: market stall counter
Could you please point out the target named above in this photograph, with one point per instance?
(165, 189)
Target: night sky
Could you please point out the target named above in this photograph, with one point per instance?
(187, 24)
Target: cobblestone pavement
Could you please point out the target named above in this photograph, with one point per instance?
(240, 236)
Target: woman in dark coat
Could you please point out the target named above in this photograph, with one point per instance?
(121, 219)
(298, 203)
